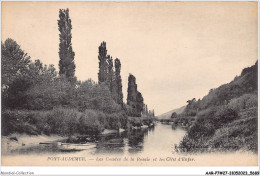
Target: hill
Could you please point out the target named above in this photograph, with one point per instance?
(168, 114)
(225, 119)
(246, 83)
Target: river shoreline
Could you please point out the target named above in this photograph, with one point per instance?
(141, 143)
(16, 141)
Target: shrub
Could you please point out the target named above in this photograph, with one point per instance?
(224, 115)
(207, 123)
(95, 96)
(135, 121)
(184, 121)
(243, 102)
(174, 115)
(200, 129)
(18, 122)
(62, 121)
(189, 144)
(89, 123)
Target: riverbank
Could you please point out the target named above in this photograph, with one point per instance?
(23, 127)
(67, 122)
(142, 145)
(222, 129)
(16, 141)
(180, 121)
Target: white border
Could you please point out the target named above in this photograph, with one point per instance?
(118, 170)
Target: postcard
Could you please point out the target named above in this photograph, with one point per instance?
(129, 83)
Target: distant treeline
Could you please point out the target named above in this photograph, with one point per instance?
(32, 86)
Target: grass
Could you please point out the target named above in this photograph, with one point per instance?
(222, 129)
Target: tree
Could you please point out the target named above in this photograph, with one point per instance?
(174, 115)
(139, 103)
(131, 91)
(134, 97)
(66, 63)
(146, 110)
(110, 76)
(15, 82)
(118, 81)
(14, 62)
(103, 65)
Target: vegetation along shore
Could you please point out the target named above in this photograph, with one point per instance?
(38, 100)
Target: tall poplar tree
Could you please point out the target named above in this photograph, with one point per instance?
(131, 91)
(103, 64)
(118, 81)
(139, 103)
(134, 97)
(66, 63)
(110, 74)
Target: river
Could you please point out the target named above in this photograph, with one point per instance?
(160, 138)
(152, 146)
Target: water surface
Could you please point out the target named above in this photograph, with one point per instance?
(161, 138)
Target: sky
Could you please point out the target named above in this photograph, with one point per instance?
(176, 50)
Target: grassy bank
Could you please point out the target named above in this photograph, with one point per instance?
(222, 129)
(66, 122)
(226, 118)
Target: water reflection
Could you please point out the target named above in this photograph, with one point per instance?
(136, 140)
(144, 140)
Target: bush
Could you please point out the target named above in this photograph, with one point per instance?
(63, 121)
(224, 115)
(204, 129)
(189, 144)
(174, 115)
(183, 121)
(95, 96)
(135, 121)
(89, 123)
(147, 120)
(18, 122)
(243, 102)
(239, 134)
(201, 128)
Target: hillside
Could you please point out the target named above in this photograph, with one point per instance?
(246, 83)
(225, 119)
(168, 114)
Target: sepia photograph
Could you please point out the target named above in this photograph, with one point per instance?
(118, 83)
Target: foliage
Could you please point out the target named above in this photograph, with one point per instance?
(62, 121)
(222, 128)
(174, 115)
(226, 118)
(183, 121)
(243, 102)
(14, 66)
(246, 83)
(109, 74)
(117, 121)
(66, 54)
(15, 62)
(95, 96)
(103, 65)
(89, 123)
(134, 97)
(118, 80)
(59, 104)
(139, 121)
